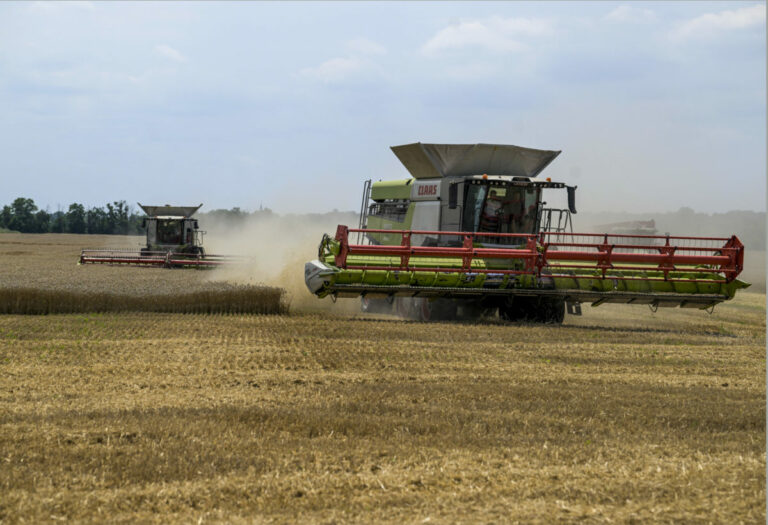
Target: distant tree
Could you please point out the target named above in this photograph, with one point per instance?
(22, 216)
(231, 216)
(58, 222)
(5, 217)
(76, 218)
(97, 220)
(135, 224)
(117, 217)
(42, 222)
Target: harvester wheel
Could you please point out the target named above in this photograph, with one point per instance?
(534, 309)
(423, 309)
(517, 308)
(551, 310)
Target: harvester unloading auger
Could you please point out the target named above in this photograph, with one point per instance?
(174, 240)
(470, 234)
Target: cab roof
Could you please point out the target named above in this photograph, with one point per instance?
(429, 161)
(170, 211)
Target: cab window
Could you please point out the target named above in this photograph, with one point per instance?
(500, 209)
(474, 201)
(169, 232)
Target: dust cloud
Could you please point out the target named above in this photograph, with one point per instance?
(274, 250)
(748, 226)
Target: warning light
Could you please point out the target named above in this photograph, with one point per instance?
(549, 179)
(485, 176)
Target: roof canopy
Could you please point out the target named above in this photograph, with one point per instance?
(428, 161)
(170, 211)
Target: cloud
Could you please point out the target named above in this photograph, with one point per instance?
(496, 34)
(625, 13)
(334, 70)
(709, 23)
(357, 63)
(170, 53)
(366, 47)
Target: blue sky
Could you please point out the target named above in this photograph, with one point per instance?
(655, 105)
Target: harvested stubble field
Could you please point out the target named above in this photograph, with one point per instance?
(618, 416)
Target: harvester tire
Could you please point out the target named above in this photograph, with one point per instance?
(516, 309)
(423, 309)
(534, 310)
(551, 310)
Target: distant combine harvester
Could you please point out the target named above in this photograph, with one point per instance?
(174, 240)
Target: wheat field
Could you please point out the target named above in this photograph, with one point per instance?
(41, 275)
(621, 415)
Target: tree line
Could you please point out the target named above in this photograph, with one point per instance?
(117, 218)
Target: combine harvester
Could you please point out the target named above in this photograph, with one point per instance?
(174, 240)
(470, 235)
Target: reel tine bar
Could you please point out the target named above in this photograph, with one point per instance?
(550, 252)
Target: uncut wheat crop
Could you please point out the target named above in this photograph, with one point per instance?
(41, 275)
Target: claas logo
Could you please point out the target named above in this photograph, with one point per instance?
(428, 189)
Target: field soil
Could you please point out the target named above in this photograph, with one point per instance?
(620, 415)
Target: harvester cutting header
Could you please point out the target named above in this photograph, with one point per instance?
(470, 233)
(174, 240)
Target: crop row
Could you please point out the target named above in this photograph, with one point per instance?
(245, 299)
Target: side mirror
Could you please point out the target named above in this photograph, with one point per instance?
(572, 198)
(453, 196)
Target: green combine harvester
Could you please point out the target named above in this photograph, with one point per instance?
(469, 235)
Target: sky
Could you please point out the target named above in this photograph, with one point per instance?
(655, 106)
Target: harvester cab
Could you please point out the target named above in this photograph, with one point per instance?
(172, 229)
(469, 233)
(173, 240)
(480, 188)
